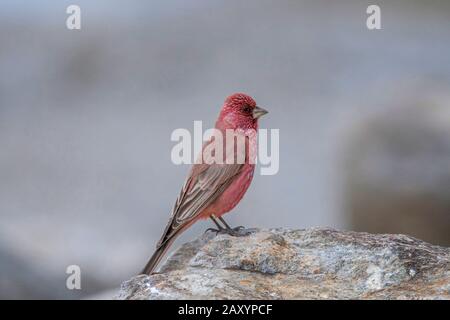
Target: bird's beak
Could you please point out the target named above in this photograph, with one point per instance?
(259, 112)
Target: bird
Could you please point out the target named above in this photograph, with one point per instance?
(213, 189)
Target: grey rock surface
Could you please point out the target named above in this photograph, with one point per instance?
(299, 264)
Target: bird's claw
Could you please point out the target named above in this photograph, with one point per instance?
(237, 231)
(216, 231)
(240, 231)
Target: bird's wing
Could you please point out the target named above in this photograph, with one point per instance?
(204, 184)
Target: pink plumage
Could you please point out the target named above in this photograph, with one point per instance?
(212, 190)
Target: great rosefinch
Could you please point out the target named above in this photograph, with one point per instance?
(212, 190)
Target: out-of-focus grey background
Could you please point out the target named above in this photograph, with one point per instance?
(86, 117)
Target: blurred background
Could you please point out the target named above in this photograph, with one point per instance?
(86, 117)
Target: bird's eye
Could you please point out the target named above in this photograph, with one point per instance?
(247, 109)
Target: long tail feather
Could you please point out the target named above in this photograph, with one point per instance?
(156, 258)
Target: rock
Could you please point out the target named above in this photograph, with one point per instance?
(299, 264)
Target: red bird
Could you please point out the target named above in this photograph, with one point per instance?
(214, 189)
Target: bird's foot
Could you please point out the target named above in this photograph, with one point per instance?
(216, 231)
(240, 231)
(237, 231)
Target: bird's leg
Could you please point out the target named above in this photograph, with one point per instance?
(237, 231)
(227, 226)
(219, 227)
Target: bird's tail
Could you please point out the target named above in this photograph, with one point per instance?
(163, 245)
(156, 258)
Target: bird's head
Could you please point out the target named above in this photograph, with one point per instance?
(240, 112)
